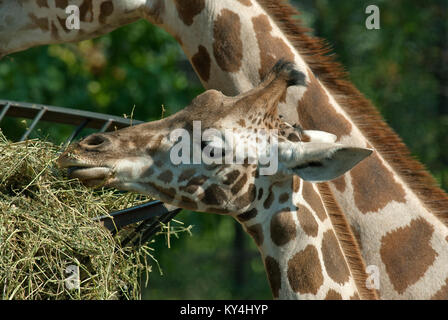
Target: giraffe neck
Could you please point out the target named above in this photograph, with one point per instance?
(300, 248)
(25, 24)
(390, 202)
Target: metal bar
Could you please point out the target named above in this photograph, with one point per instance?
(122, 218)
(33, 124)
(76, 132)
(155, 227)
(106, 125)
(65, 115)
(4, 111)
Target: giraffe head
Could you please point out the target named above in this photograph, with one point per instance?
(213, 154)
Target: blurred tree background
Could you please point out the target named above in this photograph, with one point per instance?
(140, 71)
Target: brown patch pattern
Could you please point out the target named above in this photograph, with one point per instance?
(333, 295)
(313, 199)
(271, 48)
(407, 253)
(247, 198)
(42, 23)
(442, 294)
(202, 63)
(166, 176)
(42, 3)
(256, 231)
(307, 221)
(62, 4)
(274, 275)
(316, 112)
(334, 260)
(305, 271)
(228, 47)
(245, 2)
(85, 8)
(106, 9)
(187, 10)
(214, 195)
(339, 183)
(239, 184)
(247, 215)
(374, 185)
(283, 228)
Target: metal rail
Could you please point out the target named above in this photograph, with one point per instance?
(152, 214)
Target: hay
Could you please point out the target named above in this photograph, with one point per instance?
(46, 230)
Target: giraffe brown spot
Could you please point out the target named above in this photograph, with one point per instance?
(305, 271)
(294, 137)
(316, 112)
(42, 3)
(186, 174)
(214, 195)
(85, 8)
(106, 9)
(228, 47)
(339, 183)
(295, 184)
(271, 48)
(166, 176)
(246, 216)
(283, 197)
(407, 253)
(247, 198)
(42, 23)
(333, 295)
(256, 232)
(283, 228)
(170, 192)
(307, 221)
(442, 294)
(189, 203)
(239, 184)
(274, 275)
(355, 297)
(269, 200)
(197, 181)
(54, 31)
(241, 122)
(245, 2)
(62, 4)
(374, 185)
(202, 63)
(63, 25)
(314, 200)
(333, 258)
(187, 10)
(260, 193)
(189, 188)
(231, 177)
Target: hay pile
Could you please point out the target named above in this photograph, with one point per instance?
(46, 230)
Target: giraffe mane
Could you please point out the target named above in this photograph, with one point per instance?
(369, 121)
(349, 246)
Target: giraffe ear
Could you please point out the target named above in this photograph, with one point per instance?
(320, 161)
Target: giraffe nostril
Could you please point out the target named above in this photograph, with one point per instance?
(94, 141)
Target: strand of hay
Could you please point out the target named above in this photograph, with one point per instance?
(46, 231)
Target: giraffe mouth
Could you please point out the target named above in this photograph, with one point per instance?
(89, 176)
